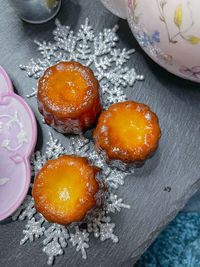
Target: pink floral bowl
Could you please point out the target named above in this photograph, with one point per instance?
(168, 31)
(17, 140)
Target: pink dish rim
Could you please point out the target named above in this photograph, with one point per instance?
(26, 157)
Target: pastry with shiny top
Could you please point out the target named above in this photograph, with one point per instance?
(68, 189)
(68, 97)
(127, 134)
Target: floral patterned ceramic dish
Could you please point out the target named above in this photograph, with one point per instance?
(168, 31)
(17, 140)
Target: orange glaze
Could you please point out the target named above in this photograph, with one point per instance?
(66, 189)
(127, 132)
(68, 97)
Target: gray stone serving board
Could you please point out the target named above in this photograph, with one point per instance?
(176, 163)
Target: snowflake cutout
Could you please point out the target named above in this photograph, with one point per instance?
(115, 204)
(108, 62)
(26, 210)
(56, 236)
(99, 52)
(55, 241)
(80, 239)
(34, 230)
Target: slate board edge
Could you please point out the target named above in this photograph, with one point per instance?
(153, 235)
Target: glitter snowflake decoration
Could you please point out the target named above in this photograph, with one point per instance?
(100, 52)
(57, 236)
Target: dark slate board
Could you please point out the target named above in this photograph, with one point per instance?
(176, 163)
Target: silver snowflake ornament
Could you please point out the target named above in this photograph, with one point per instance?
(108, 62)
(56, 236)
(26, 210)
(55, 241)
(80, 240)
(98, 52)
(34, 230)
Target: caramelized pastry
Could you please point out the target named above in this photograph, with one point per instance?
(68, 97)
(127, 134)
(68, 190)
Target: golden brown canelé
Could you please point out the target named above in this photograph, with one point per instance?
(68, 97)
(68, 190)
(127, 134)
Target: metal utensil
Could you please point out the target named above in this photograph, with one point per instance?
(36, 11)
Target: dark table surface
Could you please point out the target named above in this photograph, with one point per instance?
(176, 163)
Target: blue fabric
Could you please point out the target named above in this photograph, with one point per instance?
(178, 245)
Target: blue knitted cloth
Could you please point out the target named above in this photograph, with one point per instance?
(178, 245)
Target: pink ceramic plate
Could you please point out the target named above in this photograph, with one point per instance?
(17, 140)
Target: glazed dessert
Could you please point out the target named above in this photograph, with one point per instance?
(68, 189)
(127, 134)
(68, 97)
